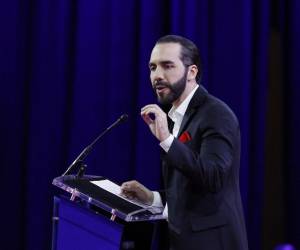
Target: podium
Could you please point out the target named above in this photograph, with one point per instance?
(93, 218)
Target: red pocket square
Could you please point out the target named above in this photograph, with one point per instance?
(185, 137)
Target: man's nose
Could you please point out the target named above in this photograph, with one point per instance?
(158, 75)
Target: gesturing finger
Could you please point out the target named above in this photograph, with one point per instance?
(147, 119)
(151, 110)
(148, 106)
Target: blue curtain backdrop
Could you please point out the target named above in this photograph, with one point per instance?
(289, 27)
(70, 68)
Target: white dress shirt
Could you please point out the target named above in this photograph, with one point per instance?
(176, 115)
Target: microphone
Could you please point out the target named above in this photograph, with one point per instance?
(87, 150)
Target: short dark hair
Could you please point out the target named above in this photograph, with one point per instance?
(189, 51)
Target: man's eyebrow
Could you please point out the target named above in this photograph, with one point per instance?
(166, 62)
(161, 62)
(151, 64)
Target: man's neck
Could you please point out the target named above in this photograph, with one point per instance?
(189, 88)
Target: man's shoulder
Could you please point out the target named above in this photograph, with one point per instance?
(213, 108)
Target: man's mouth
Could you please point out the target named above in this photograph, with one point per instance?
(160, 88)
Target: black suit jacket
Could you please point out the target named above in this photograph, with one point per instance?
(201, 179)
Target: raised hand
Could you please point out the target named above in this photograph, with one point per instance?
(158, 124)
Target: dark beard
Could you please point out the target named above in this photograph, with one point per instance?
(176, 89)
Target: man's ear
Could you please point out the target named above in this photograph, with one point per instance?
(192, 72)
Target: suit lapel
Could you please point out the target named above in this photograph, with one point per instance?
(197, 100)
(186, 119)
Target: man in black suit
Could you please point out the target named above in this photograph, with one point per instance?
(200, 154)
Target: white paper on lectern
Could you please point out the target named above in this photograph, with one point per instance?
(116, 190)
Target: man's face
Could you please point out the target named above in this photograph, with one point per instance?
(167, 73)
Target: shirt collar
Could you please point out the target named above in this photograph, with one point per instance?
(179, 112)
